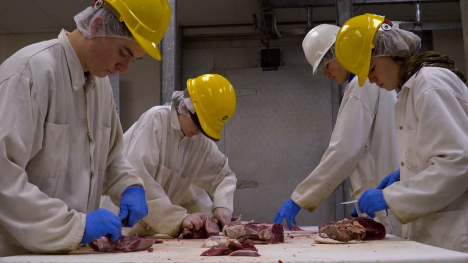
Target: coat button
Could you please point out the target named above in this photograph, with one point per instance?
(402, 164)
(177, 170)
(401, 127)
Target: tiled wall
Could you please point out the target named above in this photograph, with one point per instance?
(139, 88)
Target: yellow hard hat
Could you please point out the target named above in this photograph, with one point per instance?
(354, 44)
(214, 101)
(147, 20)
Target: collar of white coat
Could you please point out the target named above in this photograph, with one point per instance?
(409, 83)
(76, 69)
(175, 119)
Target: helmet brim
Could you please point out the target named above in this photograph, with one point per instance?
(151, 48)
(199, 126)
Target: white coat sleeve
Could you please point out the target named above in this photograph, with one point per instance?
(347, 143)
(143, 153)
(216, 178)
(28, 216)
(442, 142)
(119, 173)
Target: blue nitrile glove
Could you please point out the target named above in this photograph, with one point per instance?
(354, 212)
(389, 180)
(371, 201)
(100, 223)
(288, 210)
(133, 206)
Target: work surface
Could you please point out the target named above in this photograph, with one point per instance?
(298, 247)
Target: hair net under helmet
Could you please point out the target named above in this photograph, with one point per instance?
(327, 58)
(182, 103)
(396, 43)
(111, 26)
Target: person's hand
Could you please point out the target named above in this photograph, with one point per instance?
(288, 210)
(389, 180)
(371, 201)
(133, 206)
(223, 215)
(100, 223)
(196, 221)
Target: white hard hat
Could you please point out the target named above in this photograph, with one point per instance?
(317, 43)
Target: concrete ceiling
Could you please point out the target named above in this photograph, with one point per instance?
(40, 16)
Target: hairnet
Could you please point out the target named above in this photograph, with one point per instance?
(327, 58)
(112, 27)
(397, 43)
(180, 103)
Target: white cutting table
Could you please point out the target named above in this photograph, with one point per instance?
(298, 247)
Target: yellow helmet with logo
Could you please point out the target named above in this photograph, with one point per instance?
(147, 20)
(214, 101)
(354, 44)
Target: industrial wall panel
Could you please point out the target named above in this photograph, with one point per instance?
(196, 62)
(294, 56)
(450, 42)
(139, 92)
(277, 138)
(237, 58)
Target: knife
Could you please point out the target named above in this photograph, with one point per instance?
(349, 202)
(357, 207)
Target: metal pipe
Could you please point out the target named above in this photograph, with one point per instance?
(274, 23)
(310, 20)
(344, 11)
(417, 24)
(169, 43)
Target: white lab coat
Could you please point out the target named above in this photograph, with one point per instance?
(61, 147)
(363, 146)
(177, 171)
(431, 117)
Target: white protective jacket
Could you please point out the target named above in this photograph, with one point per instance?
(431, 117)
(61, 147)
(170, 165)
(363, 146)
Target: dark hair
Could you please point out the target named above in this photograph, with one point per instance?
(197, 123)
(429, 59)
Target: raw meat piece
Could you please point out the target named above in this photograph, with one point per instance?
(249, 245)
(234, 219)
(227, 246)
(123, 244)
(102, 244)
(322, 226)
(269, 233)
(215, 241)
(344, 230)
(244, 253)
(217, 251)
(374, 229)
(210, 228)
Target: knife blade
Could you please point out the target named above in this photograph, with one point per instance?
(349, 202)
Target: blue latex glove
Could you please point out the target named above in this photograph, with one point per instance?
(133, 206)
(389, 180)
(100, 223)
(288, 210)
(371, 201)
(354, 212)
